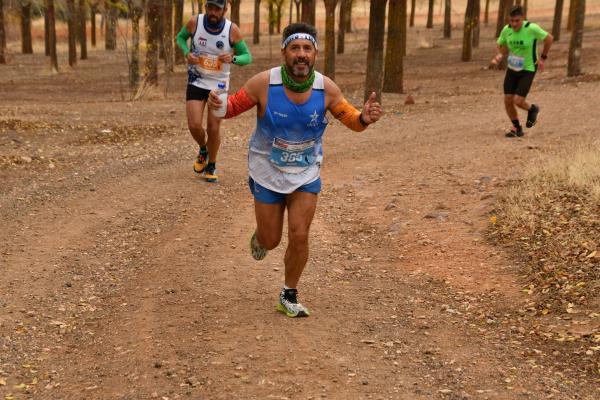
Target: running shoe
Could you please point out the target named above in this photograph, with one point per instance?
(210, 173)
(514, 132)
(201, 161)
(532, 115)
(288, 304)
(258, 252)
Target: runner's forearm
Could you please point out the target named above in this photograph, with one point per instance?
(547, 44)
(349, 116)
(239, 103)
(182, 38)
(242, 53)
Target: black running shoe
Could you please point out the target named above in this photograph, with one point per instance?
(532, 115)
(514, 132)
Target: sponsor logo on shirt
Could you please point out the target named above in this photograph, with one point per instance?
(202, 41)
(220, 44)
(313, 119)
(282, 115)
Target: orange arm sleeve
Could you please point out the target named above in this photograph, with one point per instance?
(238, 103)
(349, 116)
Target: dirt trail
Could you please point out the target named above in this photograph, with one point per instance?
(126, 277)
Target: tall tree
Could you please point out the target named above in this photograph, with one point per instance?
(167, 34)
(72, 32)
(46, 37)
(110, 25)
(396, 47)
(256, 29)
(2, 34)
(179, 59)
(330, 37)
(476, 22)
(26, 44)
(298, 3)
(572, 13)
(93, 11)
(447, 19)
(278, 11)
(52, 35)
(153, 12)
(82, 30)
(525, 9)
(412, 12)
(271, 17)
(134, 62)
(574, 62)
(235, 11)
(430, 15)
(503, 9)
(558, 9)
(342, 25)
(374, 79)
(486, 17)
(349, 16)
(468, 31)
(309, 11)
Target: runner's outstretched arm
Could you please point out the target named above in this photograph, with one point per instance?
(346, 113)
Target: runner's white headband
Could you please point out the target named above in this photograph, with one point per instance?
(301, 35)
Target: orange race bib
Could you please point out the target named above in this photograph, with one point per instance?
(210, 63)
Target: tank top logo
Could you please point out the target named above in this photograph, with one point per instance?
(202, 41)
(220, 44)
(314, 119)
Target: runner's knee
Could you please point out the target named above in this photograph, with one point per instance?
(298, 235)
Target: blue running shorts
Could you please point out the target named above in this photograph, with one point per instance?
(268, 196)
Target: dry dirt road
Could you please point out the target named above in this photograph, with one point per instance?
(124, 276)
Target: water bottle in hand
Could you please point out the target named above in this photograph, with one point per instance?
(222, 93)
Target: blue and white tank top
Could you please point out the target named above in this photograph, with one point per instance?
(207, 45)
(286, 147)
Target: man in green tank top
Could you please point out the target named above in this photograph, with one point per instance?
(518, 42)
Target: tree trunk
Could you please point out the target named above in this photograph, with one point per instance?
(82, 31)
(524, 9)
(309, 11)
(110, 25)
(349, 16)
(2, 34)
(52, 35)
(342, 26)
(395, 50)
(179, 59)
(291, 12)
(557, 20)
(447, 19)
(374, 79)
(502, 6)
(271, 17)
(486, 17)
(26, 45)
(72, 32)
(134, 64)
(430, 15)
(476, 23)
(412, 13)
(256, 30)
(298, 4)
(574, 63)
(571, 20)
(46, 37)
(93, 10)
(468, 31)
(168, 34)
(279, 15)
(330, 38)
(235, 11)
(152, 39)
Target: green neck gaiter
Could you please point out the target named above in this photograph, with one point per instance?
(295, 86)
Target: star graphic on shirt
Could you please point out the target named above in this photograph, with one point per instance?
(313, 119)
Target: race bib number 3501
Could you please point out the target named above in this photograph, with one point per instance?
(292, 154)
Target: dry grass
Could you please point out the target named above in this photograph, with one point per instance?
(551, 217)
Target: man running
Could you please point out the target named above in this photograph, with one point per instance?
(518, 41)
(215, 39)
(285, 150)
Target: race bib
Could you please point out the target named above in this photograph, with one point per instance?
(516, 63)
(288, 156)
(209, 63)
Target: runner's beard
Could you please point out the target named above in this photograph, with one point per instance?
(300, 68)
(213, 21)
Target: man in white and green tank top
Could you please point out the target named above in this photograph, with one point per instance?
(518, 42)
(216, 43)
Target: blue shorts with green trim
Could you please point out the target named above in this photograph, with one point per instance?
(269, 196)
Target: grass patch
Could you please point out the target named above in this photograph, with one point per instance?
(551, 218)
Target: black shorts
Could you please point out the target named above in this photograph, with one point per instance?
(196, 93)
(518, 82)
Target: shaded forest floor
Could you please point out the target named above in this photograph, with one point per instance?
(124, 276)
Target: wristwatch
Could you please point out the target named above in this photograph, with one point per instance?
(544, 56)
